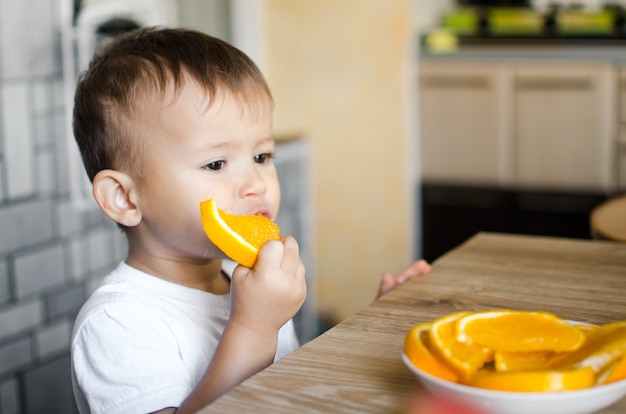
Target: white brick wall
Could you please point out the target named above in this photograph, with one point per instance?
(51, 255)
(18, 143)
(53, 339)
(38, 270)
(8, 397)
(24, 223)
(27, 31)
(4, 282)
(20, 318)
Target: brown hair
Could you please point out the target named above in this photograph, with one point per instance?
(144, 62)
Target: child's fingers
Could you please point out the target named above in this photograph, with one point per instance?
(270, 254)
(387, 282)
(281, 255)
(419, 267)
(422, 267)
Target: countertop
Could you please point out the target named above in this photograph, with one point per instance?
(356, 366)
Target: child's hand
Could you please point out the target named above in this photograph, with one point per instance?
(265, 297)
(389, 282)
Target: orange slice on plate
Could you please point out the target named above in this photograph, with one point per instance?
(605, 345)
(527, 361)
(519, 331)
(465, 359)
(416, 348)
(616, 372)
(535, 381)
(239, 236)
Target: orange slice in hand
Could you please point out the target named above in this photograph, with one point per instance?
(535, 381)
(416, 348)
(519, 331)
(239, 236)
(465, 359)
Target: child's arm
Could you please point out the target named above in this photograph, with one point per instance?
(388, 282)
(263, 300)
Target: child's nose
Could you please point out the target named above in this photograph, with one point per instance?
(253, 182)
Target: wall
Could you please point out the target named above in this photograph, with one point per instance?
(210, 16)
(50, 253)
(339, 72)
(426, 15)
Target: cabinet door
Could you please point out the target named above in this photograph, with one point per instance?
(463, 121)
(565, 126)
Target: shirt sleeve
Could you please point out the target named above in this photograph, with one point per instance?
(126, 360)
(287, 340)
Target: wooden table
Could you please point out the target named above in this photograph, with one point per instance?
(356, 366)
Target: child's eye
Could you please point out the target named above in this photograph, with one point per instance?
(263, 158)
(215, 165)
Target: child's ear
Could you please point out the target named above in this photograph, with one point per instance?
(115, 193)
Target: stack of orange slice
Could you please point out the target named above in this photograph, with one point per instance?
(516, 350)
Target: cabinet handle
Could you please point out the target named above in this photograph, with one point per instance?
(442, 81)
(553, 84)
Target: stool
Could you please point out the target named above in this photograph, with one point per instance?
(608, 220)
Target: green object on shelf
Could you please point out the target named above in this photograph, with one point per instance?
(462, 21)
(576, 22)
(514, 21)
(441, 41)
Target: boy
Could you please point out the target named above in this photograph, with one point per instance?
(165, 119)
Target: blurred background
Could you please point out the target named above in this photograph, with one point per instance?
(404, 127)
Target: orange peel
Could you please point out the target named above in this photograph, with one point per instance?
(465, 359)
(535, 381)
(416, 348)
(239, 236)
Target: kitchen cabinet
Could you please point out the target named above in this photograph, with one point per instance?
(453, 213)
(546, 126)
(564, 129)
(463, 123)
(517, 146)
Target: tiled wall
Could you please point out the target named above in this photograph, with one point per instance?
(51, 254)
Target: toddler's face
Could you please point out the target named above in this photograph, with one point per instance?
(192, 154)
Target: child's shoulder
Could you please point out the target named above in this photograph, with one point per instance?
(118, 307)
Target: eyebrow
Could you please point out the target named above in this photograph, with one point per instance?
(268, 138)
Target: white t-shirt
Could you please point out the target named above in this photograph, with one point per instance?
(141, 344)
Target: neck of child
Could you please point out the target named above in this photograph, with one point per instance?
(205, 275)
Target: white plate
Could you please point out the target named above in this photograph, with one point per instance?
(500, 402)
(584, 401)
